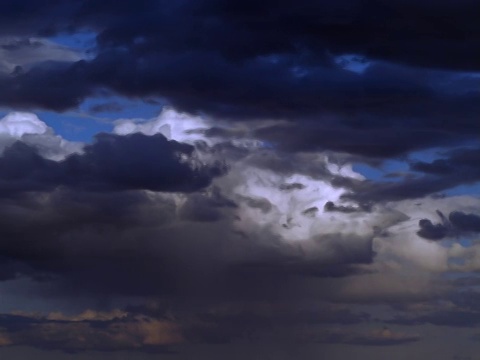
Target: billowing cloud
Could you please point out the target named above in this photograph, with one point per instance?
(307, 74)
(111, 163)
(17, 124)
(30, 130)
(164, 188)
(243, 212)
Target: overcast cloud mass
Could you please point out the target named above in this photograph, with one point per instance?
(308, 188)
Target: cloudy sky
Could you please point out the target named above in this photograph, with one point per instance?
(223, 179)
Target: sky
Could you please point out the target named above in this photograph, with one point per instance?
(211, 179)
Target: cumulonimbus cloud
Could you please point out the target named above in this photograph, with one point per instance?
(208, 211)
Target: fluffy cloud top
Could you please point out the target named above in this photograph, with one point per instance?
(16, 124)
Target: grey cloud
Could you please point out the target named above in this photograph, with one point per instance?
(330, 206)
(465, 222)
(289, 73)
(328, 255)
(458, 223)
(180, 236)
(259, 203)
(431, 231)
(206, 207)
(140, 215)
(20, 54)
(310, 212)
(111, 163)
(369, 138)
(292, 186)
(348, 27)
(459, 168)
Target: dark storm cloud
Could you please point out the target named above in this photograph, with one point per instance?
(370, 139)
(463, 161)
(419, 33)
(50, 85)
(330, 255)
(245, 60)
(128, 243)
(458, 223)
(110, 244)
(141, 162)
(86, 221)
(39, 231)
(276, 59)
(86, 225)
(96, 197)
(206, 207)
(465, 222)
(409, 32)
(460, 167)
(381, 29)
(35, 17)
(431, 231)
(111, 163)
(377, 99)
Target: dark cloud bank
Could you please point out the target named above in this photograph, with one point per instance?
(111, 163)
(257, 231)
(275, 59)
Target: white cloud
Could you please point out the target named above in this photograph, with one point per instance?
(170, 123)
(16, 124)
(28, 128)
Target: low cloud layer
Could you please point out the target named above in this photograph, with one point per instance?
(119, 330)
